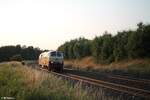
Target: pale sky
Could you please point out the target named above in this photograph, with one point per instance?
(49, 23)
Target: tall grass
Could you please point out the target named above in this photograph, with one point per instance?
(24, 83)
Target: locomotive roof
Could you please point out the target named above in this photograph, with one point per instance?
(49, 51)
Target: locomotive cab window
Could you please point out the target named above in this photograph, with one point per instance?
(53, 54)
(59, 54)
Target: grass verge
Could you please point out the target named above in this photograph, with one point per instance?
(24, 83)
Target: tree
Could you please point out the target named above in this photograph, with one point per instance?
(120, 43)
(18, 52)
(107, 48)
(145, 40)
(97, 48)
(134, 46)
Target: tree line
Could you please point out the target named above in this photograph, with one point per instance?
(127, 44)
(19, 53)
(76, 48)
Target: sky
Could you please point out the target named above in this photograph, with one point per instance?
(49, 23)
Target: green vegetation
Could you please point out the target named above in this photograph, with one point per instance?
(18, 53)
(129, 44)
(24, 83)
(76, 49)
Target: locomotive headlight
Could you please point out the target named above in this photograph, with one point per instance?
(52, 62)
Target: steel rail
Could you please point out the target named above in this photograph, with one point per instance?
(109, 85)
(113, 86)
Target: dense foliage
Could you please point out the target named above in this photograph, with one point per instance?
(128, 44)
(76, 49)
(18, 53)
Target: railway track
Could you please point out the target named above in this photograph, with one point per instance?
(137, 92)
(123, 79)
(127, 88)
(136, 83)
(145, 81)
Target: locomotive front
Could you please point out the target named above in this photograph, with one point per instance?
(56, 61)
